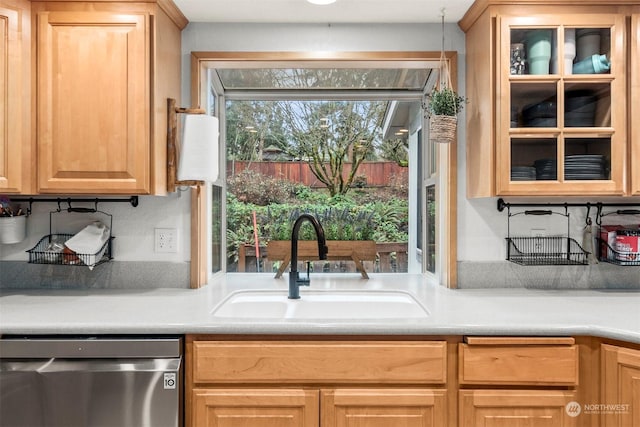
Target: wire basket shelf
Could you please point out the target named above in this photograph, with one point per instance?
(44, 252)
(545, 251)
(51, 248)
(614, 256)
(619, 244)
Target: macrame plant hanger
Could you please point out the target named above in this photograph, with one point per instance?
(442, 127)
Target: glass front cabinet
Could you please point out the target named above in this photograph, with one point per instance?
(553, 94)
(561, 105)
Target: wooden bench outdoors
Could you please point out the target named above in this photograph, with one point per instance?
(354, 250)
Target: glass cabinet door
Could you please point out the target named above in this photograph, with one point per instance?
(561, 106)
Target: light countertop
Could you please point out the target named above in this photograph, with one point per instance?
(607, 314)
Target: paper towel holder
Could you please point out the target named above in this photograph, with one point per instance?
(172, 157)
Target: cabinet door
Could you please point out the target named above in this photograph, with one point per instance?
(561, 107)
(93, 102)
(255, 408)
(635, 105)
(15, 96)
(620, 386)
(383, 408)
(517, 408)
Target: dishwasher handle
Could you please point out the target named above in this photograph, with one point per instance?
(120, 366)
(90, 348)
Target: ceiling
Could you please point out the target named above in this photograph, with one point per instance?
(342, 11)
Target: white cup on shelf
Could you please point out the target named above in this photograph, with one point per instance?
(13, 229)
(569, 49)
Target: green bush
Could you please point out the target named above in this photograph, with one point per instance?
(343, 217)
(253, 187)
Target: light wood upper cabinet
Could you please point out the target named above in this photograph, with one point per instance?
(93, 102)
(620, 386)
(548, 99)
(102, 83)
(15, 96)
(634, 159)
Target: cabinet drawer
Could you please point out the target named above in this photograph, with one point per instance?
(518, 361)
(319, 362)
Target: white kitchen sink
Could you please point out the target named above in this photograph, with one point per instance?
(320, 304)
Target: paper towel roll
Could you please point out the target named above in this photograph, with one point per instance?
(198, 156)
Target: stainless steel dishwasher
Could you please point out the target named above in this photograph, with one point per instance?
(90, 382)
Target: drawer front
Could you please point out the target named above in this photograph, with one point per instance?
(319, 362)
(518, 364)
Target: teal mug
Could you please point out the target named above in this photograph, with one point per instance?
(539, 51)
(595, 64)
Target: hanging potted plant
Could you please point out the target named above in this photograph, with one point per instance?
(444, 104)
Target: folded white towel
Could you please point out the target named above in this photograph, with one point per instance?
(89, 243)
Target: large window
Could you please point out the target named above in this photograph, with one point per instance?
(256, 86)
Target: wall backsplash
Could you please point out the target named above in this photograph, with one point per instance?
(133, 228)
(135, 264)
(505, 274)
(110, 275)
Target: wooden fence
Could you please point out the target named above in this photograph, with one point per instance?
(378, 174)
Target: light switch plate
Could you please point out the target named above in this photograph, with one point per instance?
(166, 240)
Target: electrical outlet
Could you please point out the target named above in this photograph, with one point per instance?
(166, 240)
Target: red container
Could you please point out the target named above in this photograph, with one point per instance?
(627, 245)
(608, 235)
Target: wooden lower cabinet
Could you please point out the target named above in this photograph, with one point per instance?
(332, 383)
(534, 361)
(452, 382)
(620, 386)
(383, 408)
(516, 408)
(255, 408)
(291, 407)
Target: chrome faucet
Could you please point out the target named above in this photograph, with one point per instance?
(294, 278)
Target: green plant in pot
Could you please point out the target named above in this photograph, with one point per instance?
(444, 106)
(446, 102)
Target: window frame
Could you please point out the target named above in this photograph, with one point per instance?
(202, 61)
